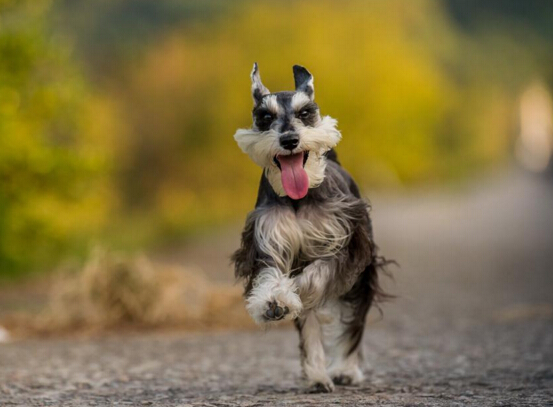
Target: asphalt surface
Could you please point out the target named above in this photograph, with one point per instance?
(472, 326)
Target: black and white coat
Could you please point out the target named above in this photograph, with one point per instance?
(311, 260)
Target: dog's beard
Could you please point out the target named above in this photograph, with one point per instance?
(263, 147)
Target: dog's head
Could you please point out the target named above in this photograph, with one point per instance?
(289, 137)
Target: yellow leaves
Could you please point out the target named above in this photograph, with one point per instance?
(55, 150)
(9, 101)
(176, 202)
(155, 142)
(378, 69)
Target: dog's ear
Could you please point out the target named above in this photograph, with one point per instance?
(258, 89)
(304, 81)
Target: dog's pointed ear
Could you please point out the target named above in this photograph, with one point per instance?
(304, 81)
(258, 89)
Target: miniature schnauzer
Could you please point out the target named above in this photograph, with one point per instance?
(307, 252)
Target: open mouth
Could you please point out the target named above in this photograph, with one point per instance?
(294, 178)
(277, 162)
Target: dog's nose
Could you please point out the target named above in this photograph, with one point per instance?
(289, 141)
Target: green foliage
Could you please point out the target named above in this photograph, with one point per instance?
(151, 149)
(54, 192)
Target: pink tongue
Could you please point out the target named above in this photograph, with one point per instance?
(294, 178)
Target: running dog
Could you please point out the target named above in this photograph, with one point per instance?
(307, 252)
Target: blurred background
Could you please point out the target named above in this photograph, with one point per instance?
(116, 124)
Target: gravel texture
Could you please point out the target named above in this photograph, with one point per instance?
(473, 325)
(474, 365)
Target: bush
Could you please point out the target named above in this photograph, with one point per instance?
(55, 192)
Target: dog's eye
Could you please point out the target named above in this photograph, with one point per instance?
(304, 114)
(263, 119)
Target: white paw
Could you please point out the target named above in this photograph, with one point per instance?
(321, 386)
(347, 377)
(273, 298)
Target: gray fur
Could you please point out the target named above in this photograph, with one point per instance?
(352, 279)
(323, 243)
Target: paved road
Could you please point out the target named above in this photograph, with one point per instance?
(473, 325)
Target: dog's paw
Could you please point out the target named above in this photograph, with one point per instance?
(282, 307)
(343, 380)
(347, 378)
(273, 298)
(321, 387)
(276, 312)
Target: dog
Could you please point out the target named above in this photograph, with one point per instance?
(307, 252)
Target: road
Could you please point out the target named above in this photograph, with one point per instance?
(472, 324)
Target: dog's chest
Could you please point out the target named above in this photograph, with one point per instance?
(312, 232)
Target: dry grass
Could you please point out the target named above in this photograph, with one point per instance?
(114, 292)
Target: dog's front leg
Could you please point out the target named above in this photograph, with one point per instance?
(273, 297)
(313, 360)
(312, 283)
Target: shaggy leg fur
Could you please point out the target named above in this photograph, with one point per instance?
(346, 324)
(341, 321)
(341, 347)
(312, 353)
(273, 297)
(312, 283)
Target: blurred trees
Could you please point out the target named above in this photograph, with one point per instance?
(412, 109)
(55, 191)
(151, 149)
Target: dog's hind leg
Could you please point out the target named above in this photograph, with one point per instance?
(313, 359)
(344, 329)
(341, 342)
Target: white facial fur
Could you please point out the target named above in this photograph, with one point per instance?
(299, 100)
(270, 102)
(262, 147)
